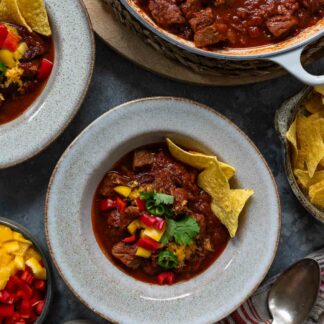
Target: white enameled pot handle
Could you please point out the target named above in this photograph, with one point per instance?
(291, 61)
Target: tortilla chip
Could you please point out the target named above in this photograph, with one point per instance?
(316, 194)
(227, 204)
(315, 104)
(35, 14)
(291, 136)
(311, 142)
(302, 178)
(198, 160)
(10, 12)
(319, 89)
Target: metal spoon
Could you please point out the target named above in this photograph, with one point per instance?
(293, 295)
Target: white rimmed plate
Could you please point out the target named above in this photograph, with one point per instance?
(54, 109)
(110, 292)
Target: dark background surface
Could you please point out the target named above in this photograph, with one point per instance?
(116, 80)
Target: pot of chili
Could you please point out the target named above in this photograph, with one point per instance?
(237, 30)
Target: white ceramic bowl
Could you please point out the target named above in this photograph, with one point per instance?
(55, 108)
(95, 280)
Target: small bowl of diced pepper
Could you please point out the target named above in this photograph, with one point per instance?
(25, 277)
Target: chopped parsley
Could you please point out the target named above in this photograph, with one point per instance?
(3, 69)
(182, 232)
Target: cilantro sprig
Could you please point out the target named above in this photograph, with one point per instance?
(182, 232)
(156, 203)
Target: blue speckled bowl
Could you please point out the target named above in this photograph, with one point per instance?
(49, 294)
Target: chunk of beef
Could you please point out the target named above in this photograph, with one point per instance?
(142, 159)
(211, 35)
(181, 200)
(145, 177)
(127, 255)
(132, 212)
(313, 5)
(200, 219)
(116, 219)
(111, 180)
(280, 25)
(30, 69)
(151, 267)
(201, 19)
(191, 7)
(166, 12)
(36, 45)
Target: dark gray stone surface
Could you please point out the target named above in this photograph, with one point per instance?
(251, 107)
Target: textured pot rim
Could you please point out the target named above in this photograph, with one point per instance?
(77, 107)
(49, 293)
(121, 106)
(173, 39)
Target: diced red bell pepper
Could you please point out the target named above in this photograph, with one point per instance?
(14, 284)
(130, 239)
(165, 278)
(11, 42)
(107, 204)
(40, 284)
(26, 290)
(121, 205)
(148, 244)
(148, 220)
(3, 34)
(159, 224)
(39, 307)
(27, 277)
(4, 296)
(25, 308)
(140, 204)
(152, 221)
(45, 69)
(6, 310)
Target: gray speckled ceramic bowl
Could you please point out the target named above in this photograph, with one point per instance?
(54, 109)
(103, 287)
(49, 293)
(284, 118)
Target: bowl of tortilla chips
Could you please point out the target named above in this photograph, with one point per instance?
(300, 125)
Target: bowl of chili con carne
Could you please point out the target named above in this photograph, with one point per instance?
(103, 176)
(44, 77)
(278, 31)
(26, 296)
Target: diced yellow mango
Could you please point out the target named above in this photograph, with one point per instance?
(5, 258)
(4, 277)
(134, 226)
(11, 268)
(123, 190)
(38, 271)
(5, 233)
(143, 253)
(20, 238)
(11, 246)
(32, 253)
(20, 262)
(153, 233)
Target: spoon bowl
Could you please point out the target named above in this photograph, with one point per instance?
(294, 294)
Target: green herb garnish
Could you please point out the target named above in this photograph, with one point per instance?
(3, 69)
(167, 260)
(183, 231)
(156, 203)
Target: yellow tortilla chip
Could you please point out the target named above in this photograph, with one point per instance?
(35, 14)
(316, 194)
(305, 180)
(10, 12)
(319, 89)
(311, 142)
(302, 178)
(315, 104)
(227, 204)
(198, 160)
(291, 136)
